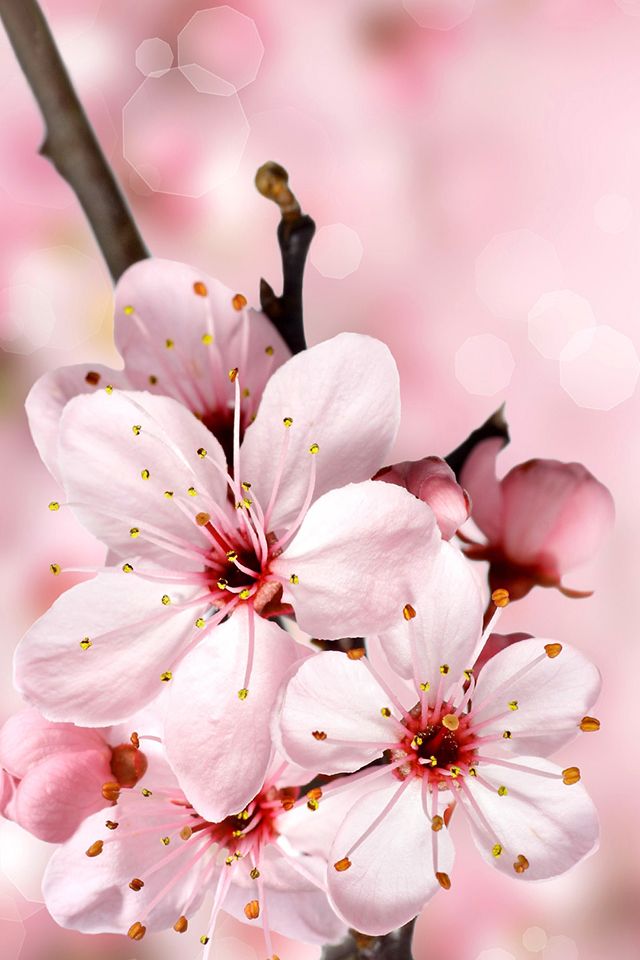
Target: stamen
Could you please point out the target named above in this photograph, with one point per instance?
(378, 820)
(136, 931)
(589, 724)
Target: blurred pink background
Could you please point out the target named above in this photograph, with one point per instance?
(473, 168)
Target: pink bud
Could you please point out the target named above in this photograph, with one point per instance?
(433, 481)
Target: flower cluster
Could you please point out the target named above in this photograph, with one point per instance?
(205, 722)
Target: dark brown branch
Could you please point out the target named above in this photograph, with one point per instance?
(295, 233)
(357, 946)
(495, 426)
(70, 142)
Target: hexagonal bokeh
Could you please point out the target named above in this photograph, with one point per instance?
(180, 140)
(534, 939)
(336, 251)
(555, 318)
(439, 14)
(154, 57)
(599, 368)
(613, 213)
(514, 270)
(484, 364)
(224, 42)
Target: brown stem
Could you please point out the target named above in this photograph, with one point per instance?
(70, 142)
(295, 233)
(494, 426)
(357, 946)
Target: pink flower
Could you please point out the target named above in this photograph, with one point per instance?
(446, 741)
(179, 332)
(56, 774)
(297, 526)
(157, 860)
(541, 520)
(433, 481)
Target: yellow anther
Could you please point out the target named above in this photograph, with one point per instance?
(246, 502)
(222, 584)
(571, 775)
(255, 873)
(237, 833)
(468, 674)
(521, 863)
(111, 825)
(181, 924)
(192, 492)
(165, 841)
(496, 850)
(500, 597)
(201, 452)
(128, 310)
(252, 910)
(269, 351)
(232, 556)
(166, 599)
(473, 772)
(455, 772)
(202, 519)
(95, 849)
(146, 792)
(229, 861)
(425, 686)
(243, 693)
(408, 612)
(233, 375)
(385, 711)
(200, 623)
(134, 532)
(135, 740)
(137, 429)
(245, 594)
(450, 721)
(166, 676)
(136, 931)
(169, 343)
(152, 379)
(342, 865)
(553, 650)
(502, 791)
(444, 669)
(127, 568)
(294, 578)
(433, 761)
(246, 392)
(312, 804)
(239, 301)
(314, 448)
(55, 568)
(288, 422)
(54, 505)
(207, 339)
(506, 735)
(85, 643)
(318, 735)
(444, 880)
(204, 940)
(513, 704)
(200, 288)
(589, 724)
(145, 474)
(437, 823)
(186, 833)
(417, 741)
(168, 494)
(108, 388)
(356, 653)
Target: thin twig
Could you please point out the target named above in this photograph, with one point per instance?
(495, 426)
(295, 233)
(70, 142)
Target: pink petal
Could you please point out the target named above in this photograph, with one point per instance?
(555, 514)
(392, 873)
(102, 459)
(218, 745)
(49, 396)
(552, 697)
(478, 477)
(448, 623)
(354, 556)
(59, 792)
(331, 694)
(494, 645)
(167, 309)
(342, 394)
(554, 826)
(134, 638)
(26, 739)
(433, 481)
(92, 894)
(302, 915)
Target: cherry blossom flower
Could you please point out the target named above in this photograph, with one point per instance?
(541, 520)
(433, 481)
(296, 526)
(444, 740)
(179, 332)
(156, 860)
(57, 774)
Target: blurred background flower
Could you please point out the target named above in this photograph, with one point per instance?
(473, 171)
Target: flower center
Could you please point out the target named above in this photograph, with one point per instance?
(439, 745)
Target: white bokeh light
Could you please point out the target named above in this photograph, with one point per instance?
(514, 270)
(225, 43)
(337, 251)
(154, 57)
(484, 364)
(534, 939)
(180, 140)
(23, 859)
(439, 14)
(561, 948)
(613, 213)
(632, 7)
(599, 368)
(555, 318)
